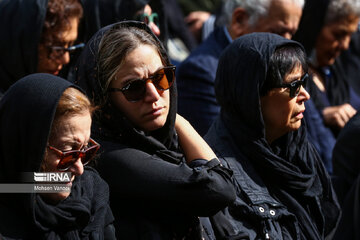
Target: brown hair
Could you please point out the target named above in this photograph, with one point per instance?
(57, 19)
(72, 102)
(115, 45)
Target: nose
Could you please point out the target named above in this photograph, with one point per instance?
(152, 94)
(77, 168)
(154, 28)
(345, 42)
(64, 59)
(303, 95)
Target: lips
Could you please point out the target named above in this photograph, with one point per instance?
(155, 111)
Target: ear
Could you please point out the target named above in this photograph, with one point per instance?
(239, 23)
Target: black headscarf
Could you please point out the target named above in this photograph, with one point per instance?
(27, 111)
(110, 123)
(311, 24)
(21, 25)
(290, 167)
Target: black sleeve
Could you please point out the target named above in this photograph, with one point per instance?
(135, 176)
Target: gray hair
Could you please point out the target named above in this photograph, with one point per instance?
(255, 8)
(340, 9)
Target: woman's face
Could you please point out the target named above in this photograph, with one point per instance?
(72, 134)
(281, 113)
(48, 62)
(150, 112)
(333, 39)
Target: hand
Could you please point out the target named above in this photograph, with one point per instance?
(338, 116)
(192, 144)
(195, 21)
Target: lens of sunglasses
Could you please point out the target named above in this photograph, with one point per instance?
(69, 158)
(162, 80)
(295, 88)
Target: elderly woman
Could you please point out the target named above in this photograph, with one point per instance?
(283, 190)
(36, 37)
(50, 132)
(325, 31)
(162, 175)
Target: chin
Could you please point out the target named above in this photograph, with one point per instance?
(154, 125)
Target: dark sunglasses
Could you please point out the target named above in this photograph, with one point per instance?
(136, 89)
(146, 18)
(295, 86)
(68, 158)
(57, 51)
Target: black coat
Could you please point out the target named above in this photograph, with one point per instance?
(283, 190)
(26, 114)
(347, 178)
(154, 193)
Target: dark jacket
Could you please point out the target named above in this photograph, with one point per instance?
(21, 25)
(196, 77)
(154, 193)
(283, 190)
(24, 133)
(347, 178)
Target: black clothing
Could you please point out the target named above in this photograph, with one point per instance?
(283, 190)
(154, 193)
(347, 178)
(21, 25)
(26, 114)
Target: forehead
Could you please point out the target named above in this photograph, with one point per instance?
(295, 74)
(282, 12)
(70, 34)
(72, 129)
(346, 25)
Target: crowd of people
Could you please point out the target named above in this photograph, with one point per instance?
(180, 119)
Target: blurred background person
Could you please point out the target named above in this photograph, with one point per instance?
(50, 132)
(37, 36)
(325, 31)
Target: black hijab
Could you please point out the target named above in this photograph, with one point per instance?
(109, 123)
(310, 26)
(27, 111)
(290, 167)
(21, 25)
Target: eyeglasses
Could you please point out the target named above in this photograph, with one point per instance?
(56, 52)
(295, 86)
(68, 158)
(146, 18)
(136, 89)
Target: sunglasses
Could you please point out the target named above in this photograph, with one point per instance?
(295, 86)
(68, 158)
(146, 18)
(56, 52)
(136, 89)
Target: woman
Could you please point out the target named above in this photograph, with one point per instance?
(50, 132)
(37, 36)
(283, 190)
(325, 31)
(155, 194)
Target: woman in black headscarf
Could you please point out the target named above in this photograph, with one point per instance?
(35, 37)
(155, 194)
(49, 132)
(283, 190)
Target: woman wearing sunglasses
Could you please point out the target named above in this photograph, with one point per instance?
(45, 127)
(161, 173)
(284, 191)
